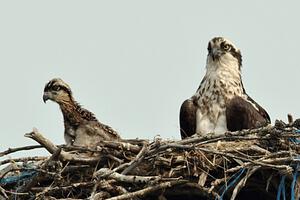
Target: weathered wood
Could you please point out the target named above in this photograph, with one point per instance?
(199, 167)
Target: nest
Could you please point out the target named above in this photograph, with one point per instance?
(250, 164)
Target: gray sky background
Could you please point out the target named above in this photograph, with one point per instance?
(133, 62)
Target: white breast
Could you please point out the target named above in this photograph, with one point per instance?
(219, 86)
(206, 125)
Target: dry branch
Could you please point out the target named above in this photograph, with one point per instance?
(13, 150)
(51, 148)
(200, 167)
(109, 174)
(150, 189)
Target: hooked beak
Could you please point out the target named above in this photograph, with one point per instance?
(46, 96)
(215, 54)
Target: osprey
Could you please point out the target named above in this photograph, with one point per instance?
(221, 102)
(81, 126)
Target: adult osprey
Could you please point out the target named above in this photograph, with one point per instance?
(221, 103)
(81, 126)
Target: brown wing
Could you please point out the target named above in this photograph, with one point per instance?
(89, 116)
(261, 111)
(187, 118)
(110, 132)
(91, 133)
(241, 114)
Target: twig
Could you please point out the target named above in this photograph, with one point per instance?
(120, 145)
(17, 193)
(3, 192)
(150, 189)
(280, 167)
(198, 139)
(267, 159)
(242, 182)
(51, 148)
(173, 145)
(35, 135)
(80, 149)
(13, 150)
(49, 190)
(135, 162)
(108, 186)
(25, 159)
(107, 173)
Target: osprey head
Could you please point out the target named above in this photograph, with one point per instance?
(224, 51)
(57, 90)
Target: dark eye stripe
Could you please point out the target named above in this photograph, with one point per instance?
(65, 89)
(50, 84)
(237, 55)
(224, 46)
(56, 87)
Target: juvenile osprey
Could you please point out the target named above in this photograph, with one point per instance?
(81, 126)
(221, 103)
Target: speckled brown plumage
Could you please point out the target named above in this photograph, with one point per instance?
(81, 126)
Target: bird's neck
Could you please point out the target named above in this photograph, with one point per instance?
(223, 69)
(72, 112)
(71, 116)
(221, 79)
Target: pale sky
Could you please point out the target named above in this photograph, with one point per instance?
(133, 62)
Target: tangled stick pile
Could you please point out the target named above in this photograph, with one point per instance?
(260, 163)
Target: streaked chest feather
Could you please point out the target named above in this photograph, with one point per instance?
(216, 89)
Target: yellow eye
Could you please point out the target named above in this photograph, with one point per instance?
(227, 47)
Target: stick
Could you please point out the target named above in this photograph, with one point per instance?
(198, 139)
(121, 145)
(145, 191)
(13, 150)
(242, 182)
(26, 159)
(107, 173)
(51, 148)
(3, 192)
(46, 190)
(35, 135)
(280, 167)
(136, 161)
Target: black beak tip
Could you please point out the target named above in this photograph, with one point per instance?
(45, 98)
